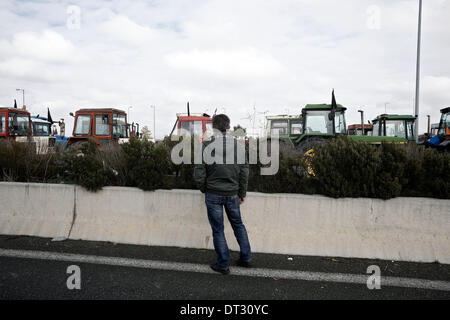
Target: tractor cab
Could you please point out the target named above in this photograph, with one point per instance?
(43, 134)
(15, 124)
(287, 127)
(319, 120)
(441, 140)
(41, 127)
(104, 126)
(444, 124)
(394, 125)
(434, 129)
(194, 125)
(318, 123)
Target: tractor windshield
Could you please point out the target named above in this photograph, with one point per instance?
(317, 122)
(410, 125)
(41, 129)
(395, 128)
(280, 126)
(2, 123)
(339, 123)
(189, 128)
(120, 126)
(83, 124)
(296, 127)
(102, 124)
(444, 125)
(18, 123)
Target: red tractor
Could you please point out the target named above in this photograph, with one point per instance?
(104, 126)
(15, 124)
(199, 124)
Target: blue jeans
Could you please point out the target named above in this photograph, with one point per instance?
(215, 204)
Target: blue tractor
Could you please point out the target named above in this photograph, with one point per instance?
(441, 141)
(46, 136)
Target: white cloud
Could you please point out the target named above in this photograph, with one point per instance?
(238, 64)
(436, 91)
(125, 30)
(18, 67)
(23, 68)
(47, 46)
(223, 54)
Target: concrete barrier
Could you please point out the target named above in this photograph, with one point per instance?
(408, 229)
(44, 210)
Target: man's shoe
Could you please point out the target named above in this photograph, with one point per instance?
(245, 264)
(216, 268)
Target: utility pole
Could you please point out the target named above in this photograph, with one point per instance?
(419, 34)
(154, 122)
(362, 121)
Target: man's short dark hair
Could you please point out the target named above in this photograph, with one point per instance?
(221, 122)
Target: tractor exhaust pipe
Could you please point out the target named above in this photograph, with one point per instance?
(188, 112)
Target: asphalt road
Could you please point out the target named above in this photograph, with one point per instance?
(37, 268)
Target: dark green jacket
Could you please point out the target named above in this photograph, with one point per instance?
(227, 178)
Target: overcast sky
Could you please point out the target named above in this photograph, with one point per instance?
(275, 56)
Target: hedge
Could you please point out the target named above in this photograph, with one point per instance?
(340, 168)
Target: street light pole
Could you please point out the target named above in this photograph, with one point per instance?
(419, 34)
(154, 122)
(362, 121)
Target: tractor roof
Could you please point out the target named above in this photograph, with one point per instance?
(445, 110)
(15, 110)
(322, 106)
(39, 119)
(395, 117)
(193, 116)
(101, 110)
(283, 117)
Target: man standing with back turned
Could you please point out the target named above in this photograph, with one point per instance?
(225, 186)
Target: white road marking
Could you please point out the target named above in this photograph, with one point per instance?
(253, 272)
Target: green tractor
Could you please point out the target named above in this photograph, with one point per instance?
(320, 122)
(288, 127)
(316, 124)
(390, 128)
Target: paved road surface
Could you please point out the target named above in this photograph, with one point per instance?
(37, 268)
